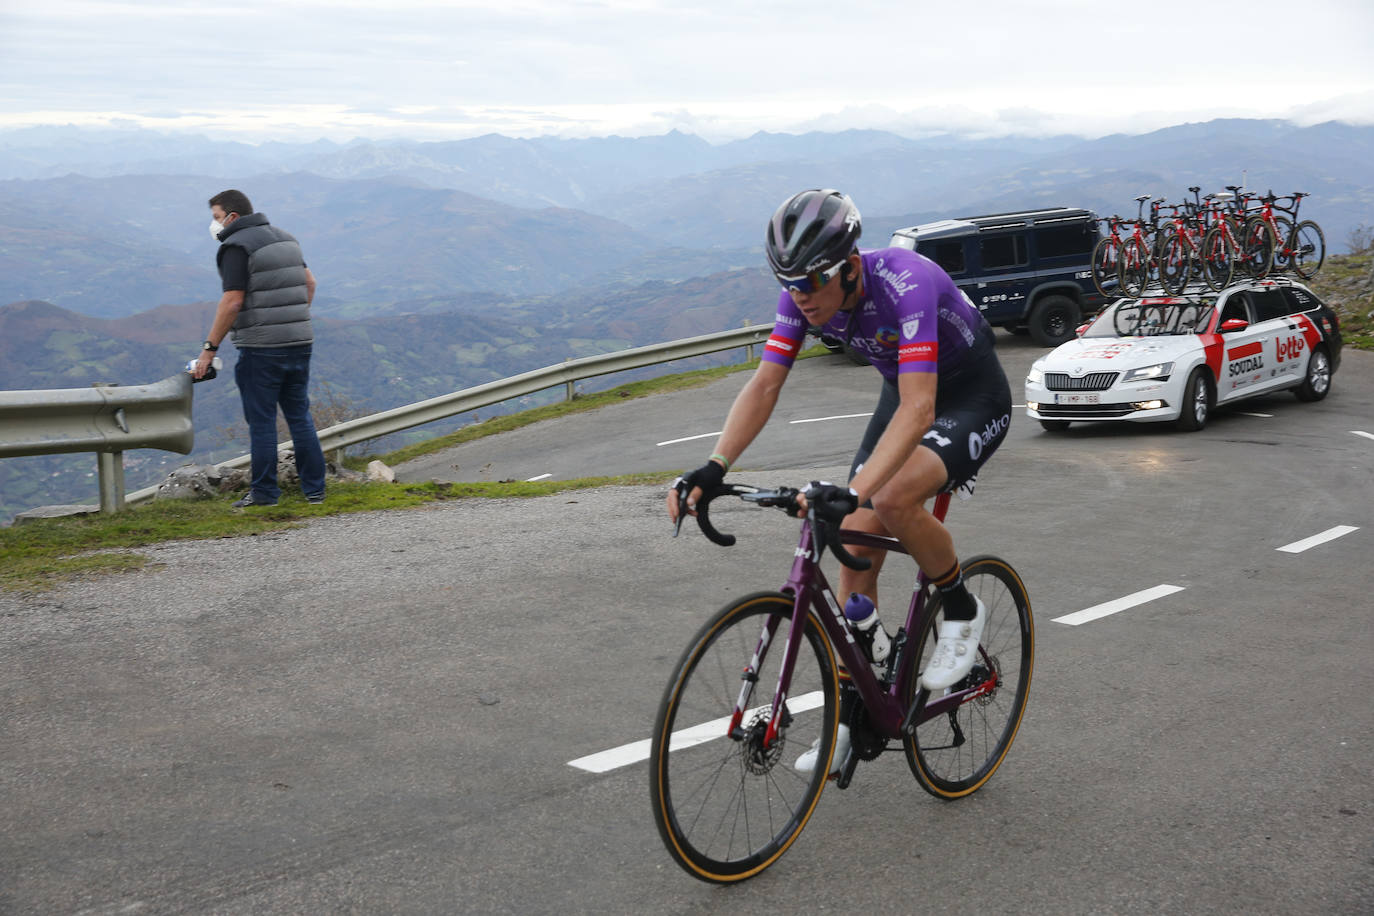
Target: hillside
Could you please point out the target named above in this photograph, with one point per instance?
(360, 366)
(397, 226)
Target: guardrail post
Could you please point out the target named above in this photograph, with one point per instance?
(749, 347)
(111, 467)
(569, 383)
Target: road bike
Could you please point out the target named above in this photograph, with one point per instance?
(1140, 255)
(1188, 249)
(1107, 257)
(759, 683)
(1298, 246)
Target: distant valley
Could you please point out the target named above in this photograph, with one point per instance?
(443, 265)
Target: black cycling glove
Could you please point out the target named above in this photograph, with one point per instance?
(709, 477)
(832, 503)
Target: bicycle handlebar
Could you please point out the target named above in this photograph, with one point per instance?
(784, 498)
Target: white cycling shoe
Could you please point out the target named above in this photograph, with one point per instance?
(806, 763)
(956, 649)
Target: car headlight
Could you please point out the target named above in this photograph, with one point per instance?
(1036, 376)
(1156, 371)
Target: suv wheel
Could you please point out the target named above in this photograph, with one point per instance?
(1053, 320)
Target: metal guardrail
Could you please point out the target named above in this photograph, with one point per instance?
(391, 421)
(105, 419)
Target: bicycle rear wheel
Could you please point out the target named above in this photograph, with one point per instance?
(1218, 259)
(1175, 263)
(1257, 245)
(953, 754)
(1105, 268)
(726, 805)
(1134, 272)
(1309, 249)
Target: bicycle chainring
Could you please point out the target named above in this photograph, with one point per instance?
(867, 743)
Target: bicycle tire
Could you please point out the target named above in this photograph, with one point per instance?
(1218, 259)
(1257, 244)
(726, 809)
(945, 767)
(1309, 249)
(1135, 268)
(1106, 260)
(1283, 238)
(1175, 262)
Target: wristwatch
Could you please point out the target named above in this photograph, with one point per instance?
(211, 347)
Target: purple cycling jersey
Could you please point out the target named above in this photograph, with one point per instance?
(912, 318)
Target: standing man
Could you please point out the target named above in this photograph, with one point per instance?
(266, 306)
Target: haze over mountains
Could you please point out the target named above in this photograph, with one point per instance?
(510, 254)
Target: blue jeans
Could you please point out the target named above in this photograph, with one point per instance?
(268, 376)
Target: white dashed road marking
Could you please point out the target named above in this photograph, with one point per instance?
(1108, 608)
(627, 754)
(1360, 432)
(540, 477)
(846, 416)
(1308, 543)
(687, 439)
(1246, 413)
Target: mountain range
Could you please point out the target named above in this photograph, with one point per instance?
(446, 264)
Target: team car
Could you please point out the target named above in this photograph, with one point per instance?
(1175, 358)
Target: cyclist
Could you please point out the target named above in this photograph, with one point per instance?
(944, 407)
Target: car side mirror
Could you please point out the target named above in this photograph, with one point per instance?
(1233, 324)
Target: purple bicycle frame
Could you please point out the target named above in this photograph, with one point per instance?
(810, 589)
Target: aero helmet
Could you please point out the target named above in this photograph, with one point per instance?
(809, 236)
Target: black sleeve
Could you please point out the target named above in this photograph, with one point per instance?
(233, 268)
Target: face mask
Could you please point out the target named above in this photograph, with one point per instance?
(215, 229)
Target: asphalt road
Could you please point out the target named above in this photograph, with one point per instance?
(377, 713)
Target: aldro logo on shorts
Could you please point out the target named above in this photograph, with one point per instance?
(979, 441)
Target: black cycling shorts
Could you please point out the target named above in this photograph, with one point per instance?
(972, 414)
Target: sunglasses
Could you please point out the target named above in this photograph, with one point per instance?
(810, 281)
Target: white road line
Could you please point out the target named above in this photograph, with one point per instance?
(1264, 416)
(1308, 543)
(688, 438)
(1360, 432)
(843, 416)
(540, 477)
(626, 754)
(1120, 604)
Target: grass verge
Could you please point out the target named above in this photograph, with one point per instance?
(39, 555)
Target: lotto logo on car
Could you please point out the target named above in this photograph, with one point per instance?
(1289, 348)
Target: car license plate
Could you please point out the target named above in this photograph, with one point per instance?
(1093, 398)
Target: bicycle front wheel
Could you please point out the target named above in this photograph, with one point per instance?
(1134, 269)
(953, 753)
(727, 802)
(1106, 273)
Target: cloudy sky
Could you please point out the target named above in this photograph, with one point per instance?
(300, 69)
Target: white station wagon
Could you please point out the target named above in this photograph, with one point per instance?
(1175, 358)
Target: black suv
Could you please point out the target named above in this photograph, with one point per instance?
(1029, 272)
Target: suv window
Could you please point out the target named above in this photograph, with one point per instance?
(949, 255)
(1065, 241)
(1002, 251)
(1269, 304)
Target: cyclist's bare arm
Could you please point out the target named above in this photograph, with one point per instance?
(751, 410)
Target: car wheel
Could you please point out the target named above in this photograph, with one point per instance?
(1318, 379)
(1053, 320)
(1197, 401)
(1055, 426)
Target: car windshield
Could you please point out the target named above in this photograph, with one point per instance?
(1150, 317)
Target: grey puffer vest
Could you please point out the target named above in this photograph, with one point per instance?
(276, 312)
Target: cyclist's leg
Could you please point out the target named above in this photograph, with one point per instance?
(865, 519)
